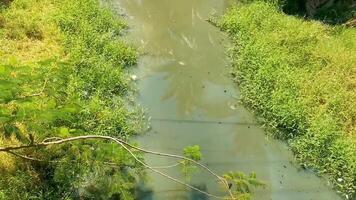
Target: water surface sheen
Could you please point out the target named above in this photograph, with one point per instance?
(185, 86)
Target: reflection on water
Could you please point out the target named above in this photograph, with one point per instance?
(143, 192)
(185, 86)
(194, 195)
(186, 49)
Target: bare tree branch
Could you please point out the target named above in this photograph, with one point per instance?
(167, 166)
(112, 164)
(27, 157)
(223, 180)
(167, 176)
(126, 146)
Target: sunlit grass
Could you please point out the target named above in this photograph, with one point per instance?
(63, 73)
(28, 32)
(300, 77)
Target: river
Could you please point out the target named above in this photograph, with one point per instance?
(185, 86)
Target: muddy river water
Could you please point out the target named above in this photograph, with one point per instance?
(185, 87)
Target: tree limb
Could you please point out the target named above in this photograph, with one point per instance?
(125, 145)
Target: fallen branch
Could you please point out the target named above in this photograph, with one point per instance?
(126, 146)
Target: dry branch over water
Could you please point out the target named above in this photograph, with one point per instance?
(57, 141)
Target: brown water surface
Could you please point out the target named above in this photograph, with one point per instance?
(185, 86)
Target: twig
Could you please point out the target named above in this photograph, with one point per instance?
(223, 180)
(27, 157)
(51, 139)
(168, 166)
(167, 176)
(38, 93)
(112, 164)
(124, 145)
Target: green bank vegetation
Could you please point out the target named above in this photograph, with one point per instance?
(64, 80)
(300, 77)
(62, 73)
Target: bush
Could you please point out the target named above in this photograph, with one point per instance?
(63, 73)
(299, 76)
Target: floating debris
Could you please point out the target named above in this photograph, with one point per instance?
(233, 107)
(181, 63)
(190, 42)
(211, 40)
(170, 52)
(133, 77)
(193, 17)
(199, 16)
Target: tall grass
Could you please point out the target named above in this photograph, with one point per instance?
(299, 76)
(63, 73)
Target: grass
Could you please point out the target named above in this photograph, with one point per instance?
(63, 72)
(299, 77)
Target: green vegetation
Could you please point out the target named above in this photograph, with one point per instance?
(187, 167)
(62, 73)
(299, 76)
(242, 184)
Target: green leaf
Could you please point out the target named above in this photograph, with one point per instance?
(10, 129)
(4, 119)
(192, 152)
(63, 132)
(51, 104)
(2, 70)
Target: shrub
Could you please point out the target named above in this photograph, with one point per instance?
(63, 73)
(299, 76)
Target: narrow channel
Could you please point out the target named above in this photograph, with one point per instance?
(185, 86)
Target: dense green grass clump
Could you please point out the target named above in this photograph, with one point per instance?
(63, 73)
(299, 76)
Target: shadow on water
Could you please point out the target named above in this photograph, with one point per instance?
(145, 193)
(194, 195)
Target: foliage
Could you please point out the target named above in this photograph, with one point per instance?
(63, 73)
(241, 185)
(192, 152)
(299, 76)
(187, 167)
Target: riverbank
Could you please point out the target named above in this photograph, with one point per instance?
(63, 73)
(299, 77)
